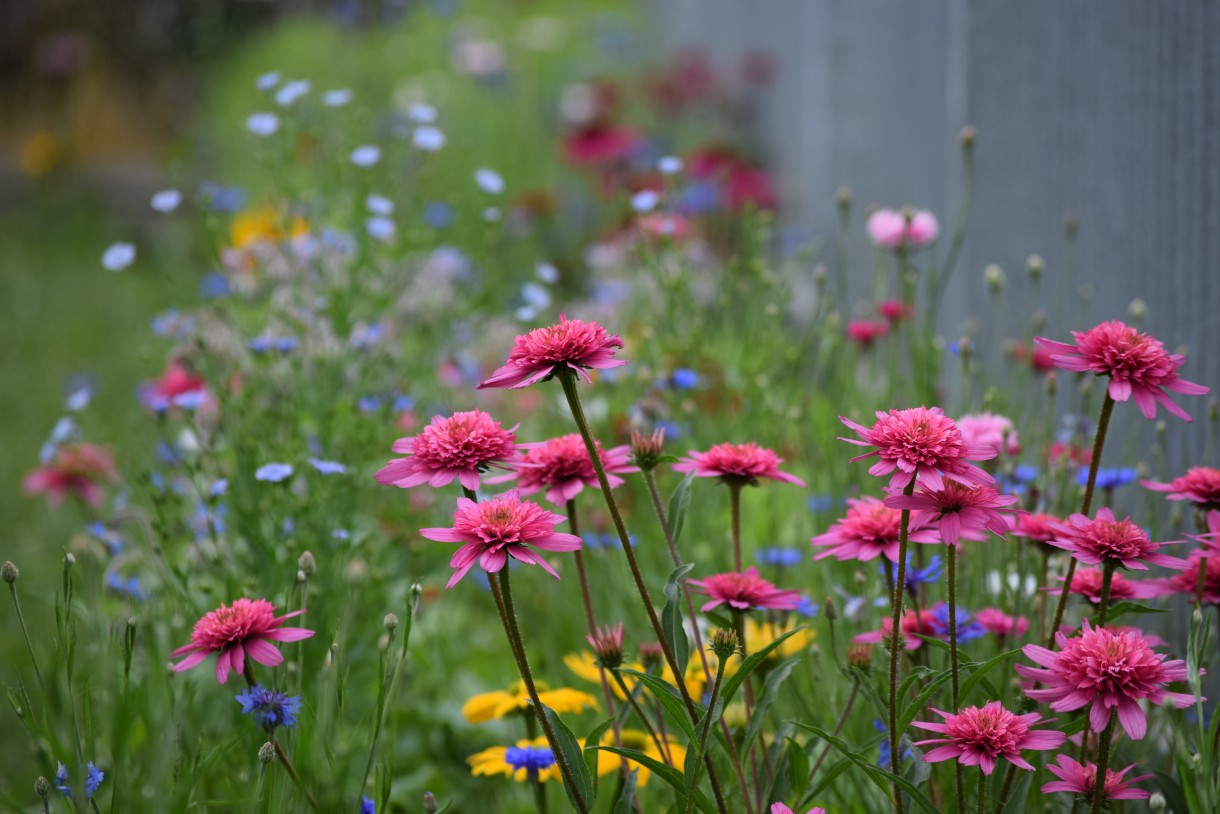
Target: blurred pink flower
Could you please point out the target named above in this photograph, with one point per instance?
(1000, 624)
(1107, 671)
(1104, 539)
(923, 623)
(992, 430)
(920, 444)
(780, 808)
(461, 446)
(744, 591)
(493, 530)
(737, 464)
(979, 736)
(959, 511)
(572, 344)
(1039, 528)
(1087, 582)
(1186, 582)
(895, 310)
(865, 332)
(868, 529)
(77, 470)
(1138, 365)
(562, 467)
(1200, 484)
(245, 628)
(600, 144)
(1077, 778)
(889, 229)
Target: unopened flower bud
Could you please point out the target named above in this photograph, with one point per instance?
(820, 273)
(266, 753)
(651, 655)
(390, 622)
(1052, 384)
(301, 576)
(9, 572)
(830, 609)
(69, 559)
(42, 787)
(860, 655)
(646, 450)
(965, 348)
(307, 564)
(724, 643)
(413, 594)
(843, 197)
(1157, 803)
(967, 136)
(1137, 309)
(993, 275)
(1196, 616)
(430, 806)
(1035, 265)
(607, 644)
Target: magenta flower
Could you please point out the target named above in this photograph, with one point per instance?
(1000, 624)
(737, 464)
(1038, 528)
(461, 447)
(493, 530)
(1087, 582)
(77, 470)
(959, 511)
(572, 344)
(1187, 582)
(890, 229)
(245, 628)
(989, 429)
(1076, 778)
(780, 808)
(1200, 484)
(921, 444)
(923, 623)
(1138, 365)
(1106, 670)
(1104, 539)
(865, 332)
(870, 528)
(562, 467)
(979, 736)
(743, 591)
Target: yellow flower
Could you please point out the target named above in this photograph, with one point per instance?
(516, 761)
(584, 665)
(641, 742)
(761, 634)
(264, 224)
(494, 705)
(40, 153)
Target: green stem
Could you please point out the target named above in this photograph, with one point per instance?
(982, 790)
(1103, 765)
(707, 728)
(895, 642)
(735, 512)
(953, 668)
(851, 699)
(508, 616)
(12, 587)
(387, 690)
(1099, 440)
(662, 746)
(1103, 604)
(1006, 787)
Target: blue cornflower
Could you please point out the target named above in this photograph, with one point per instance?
(967, 627)
(213, 286)
(1025, 473)
(818, 504)
(273, 472)
(126, 587)
(402, 404)
(1108, 477)
(341, 534)
(328, 467)
(782, 557)
(438, 214)
(366, 806)
(270, 708)
(280, 344)
(808, 607)
(206, 521)
(923, 576)
(699, 197)
(219, 198)
(219, 488)
(369, 404)
(534, 759)
(107, 537)
(685, 379)
(92, 780)
(884, 750)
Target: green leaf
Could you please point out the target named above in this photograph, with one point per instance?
(878, 775)
(667, 694)
(979, 672)
(798, 769)
(679, 504)
(828, 776)
(671, 616)
(580, 790)
(734, 682)
(626, 798)
(667, 773)
(1119, 608)
(770, 692)
(1018, 801)
(591, 741)
(912, 709)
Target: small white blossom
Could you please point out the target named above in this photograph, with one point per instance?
(491, 214)
(268, 80)
(535, 296)
(379, 204)
(489, 181)
(380, 228)
(645, 200)
(263, 124)
(336, 98)
(424, 114)
(291, 91)
(670, 165)
(166, 200)
(547, 273)
(366, 155)
(118, 256)
(427, 138)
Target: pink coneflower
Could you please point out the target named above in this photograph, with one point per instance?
(780, 808)
(77, 470)
(1107, 669)
(920, 444)
(865, 332)
(245, 628)
(923, 623)
(1138, 365)
(870, 528)
(959, 511)
(493, 530)
(1077, 778)
(562, 467)
(1000, 624)
(1104, 539)
(607, 644)
(461, 447)
(571, 344)
(743, 591)
(1200, 484)
(978, 736)
(890, 229)
(1087, 582)
(1038, 528)
(600, 144)
(895, 311)
(1039, 359)
(737, 464)
(1187, 582)
(989, 429)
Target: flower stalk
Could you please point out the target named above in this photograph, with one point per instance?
(898, 591)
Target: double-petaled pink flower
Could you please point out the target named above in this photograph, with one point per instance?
(869, 529)
(743, 591)
(737, 464)
(920, 444)
(245, 628)
(1000, 624)
(1087, 582)
(1200, 485)
(865, 332)
(891, 229)
(461, 446)
(959, 511)
(1078, 778)
(1138, 365)
(1037, 528)
(572, 344)
(991, 430)
(562, 467)
(1108, 671)
(493, 530)
(1104, 539)
(923, 623)
(979, 736)
(77, 470)
(1186, 582)
(780, 808)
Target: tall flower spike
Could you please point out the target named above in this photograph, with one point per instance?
(920, 444)
(245, 628)
(572, 344)
(1138, 365)
(494, 530)
(461, 447)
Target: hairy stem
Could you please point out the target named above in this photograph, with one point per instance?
(896, 642)
(707, 728)
(958, 772)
